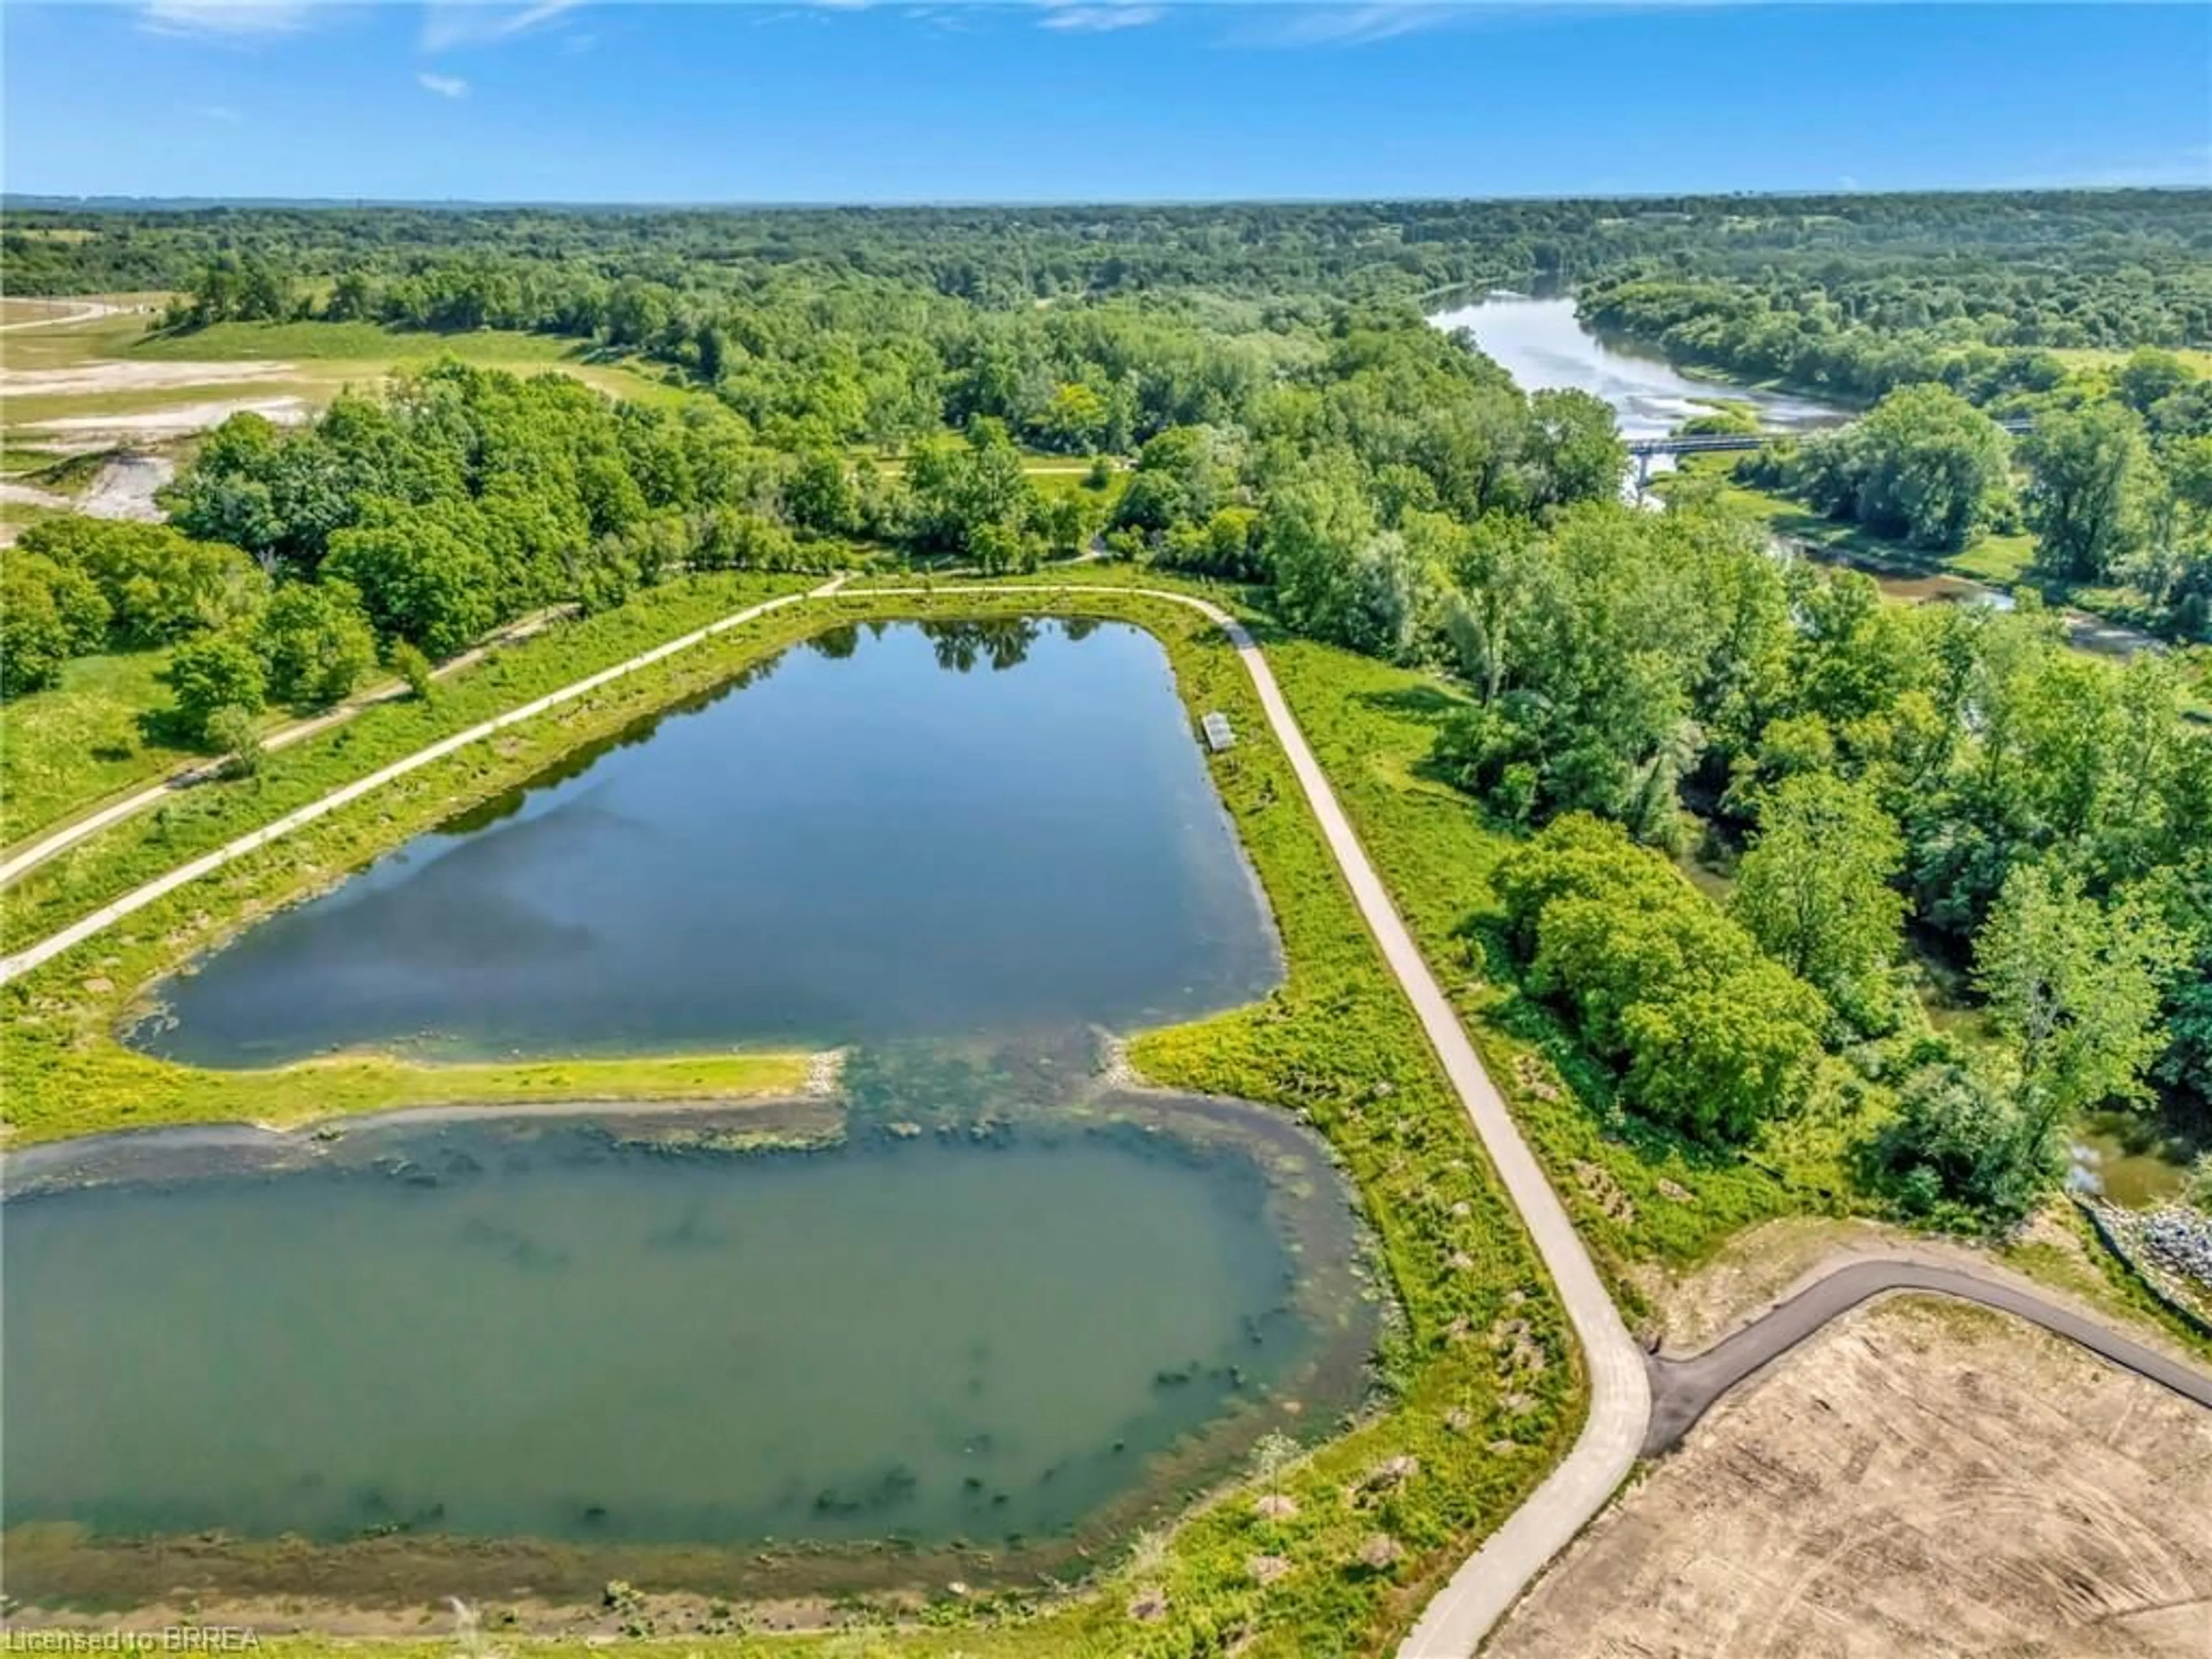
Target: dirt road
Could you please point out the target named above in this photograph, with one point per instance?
(78, 310)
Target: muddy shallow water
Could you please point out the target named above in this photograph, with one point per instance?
(552, 1351)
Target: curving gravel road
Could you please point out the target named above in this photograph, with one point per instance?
(1683, 1390)
(83, 310)
(1492, 1579)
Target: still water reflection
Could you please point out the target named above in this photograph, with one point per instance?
(904, 829)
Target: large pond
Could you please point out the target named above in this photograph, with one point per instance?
(1543, 345)
(608, 1336)
(907, 829)
(978, 1312)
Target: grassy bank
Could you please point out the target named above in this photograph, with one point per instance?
(1641, 1197)
(121, 857)
(138, 1091)
(1485, 1389)
(2001, 561)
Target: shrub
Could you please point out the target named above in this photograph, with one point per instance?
(231, 732)
(1960, 1152)
(412, 666)
(49, 613)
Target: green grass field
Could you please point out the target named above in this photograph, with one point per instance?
(2000, 561)
(62, 749)
(113, 358)
(359, 351)
(2103, 356)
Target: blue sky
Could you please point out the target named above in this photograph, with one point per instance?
(1082, 99)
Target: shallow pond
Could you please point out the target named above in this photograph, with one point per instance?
(599, 1335)
(914, 829)
(1012, 1313)
(2122, 1156)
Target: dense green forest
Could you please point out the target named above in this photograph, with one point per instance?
(2077, 251)
(1259, 400)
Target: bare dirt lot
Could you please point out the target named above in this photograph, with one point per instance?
(1922, 1478)
(83, 432)
(84, 378)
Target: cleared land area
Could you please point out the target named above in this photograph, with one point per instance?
(79, 382)
(1920, 1478)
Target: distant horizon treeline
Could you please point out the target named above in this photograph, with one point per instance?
(1008, 256)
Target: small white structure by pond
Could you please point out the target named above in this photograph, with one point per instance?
(1218, 737)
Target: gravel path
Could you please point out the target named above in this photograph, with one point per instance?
(58, 838)
(83, 310)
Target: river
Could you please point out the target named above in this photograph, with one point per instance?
(1543, 347)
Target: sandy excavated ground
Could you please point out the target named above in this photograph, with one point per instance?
(32, 495)
(83, 432)
(125, 487)
(1920, 1479)
(88, 380)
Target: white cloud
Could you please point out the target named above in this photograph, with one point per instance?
(1113, 15)
(1328, 22)
(1331, 25)
(445, 86)
(231, 18)
(447, 24)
